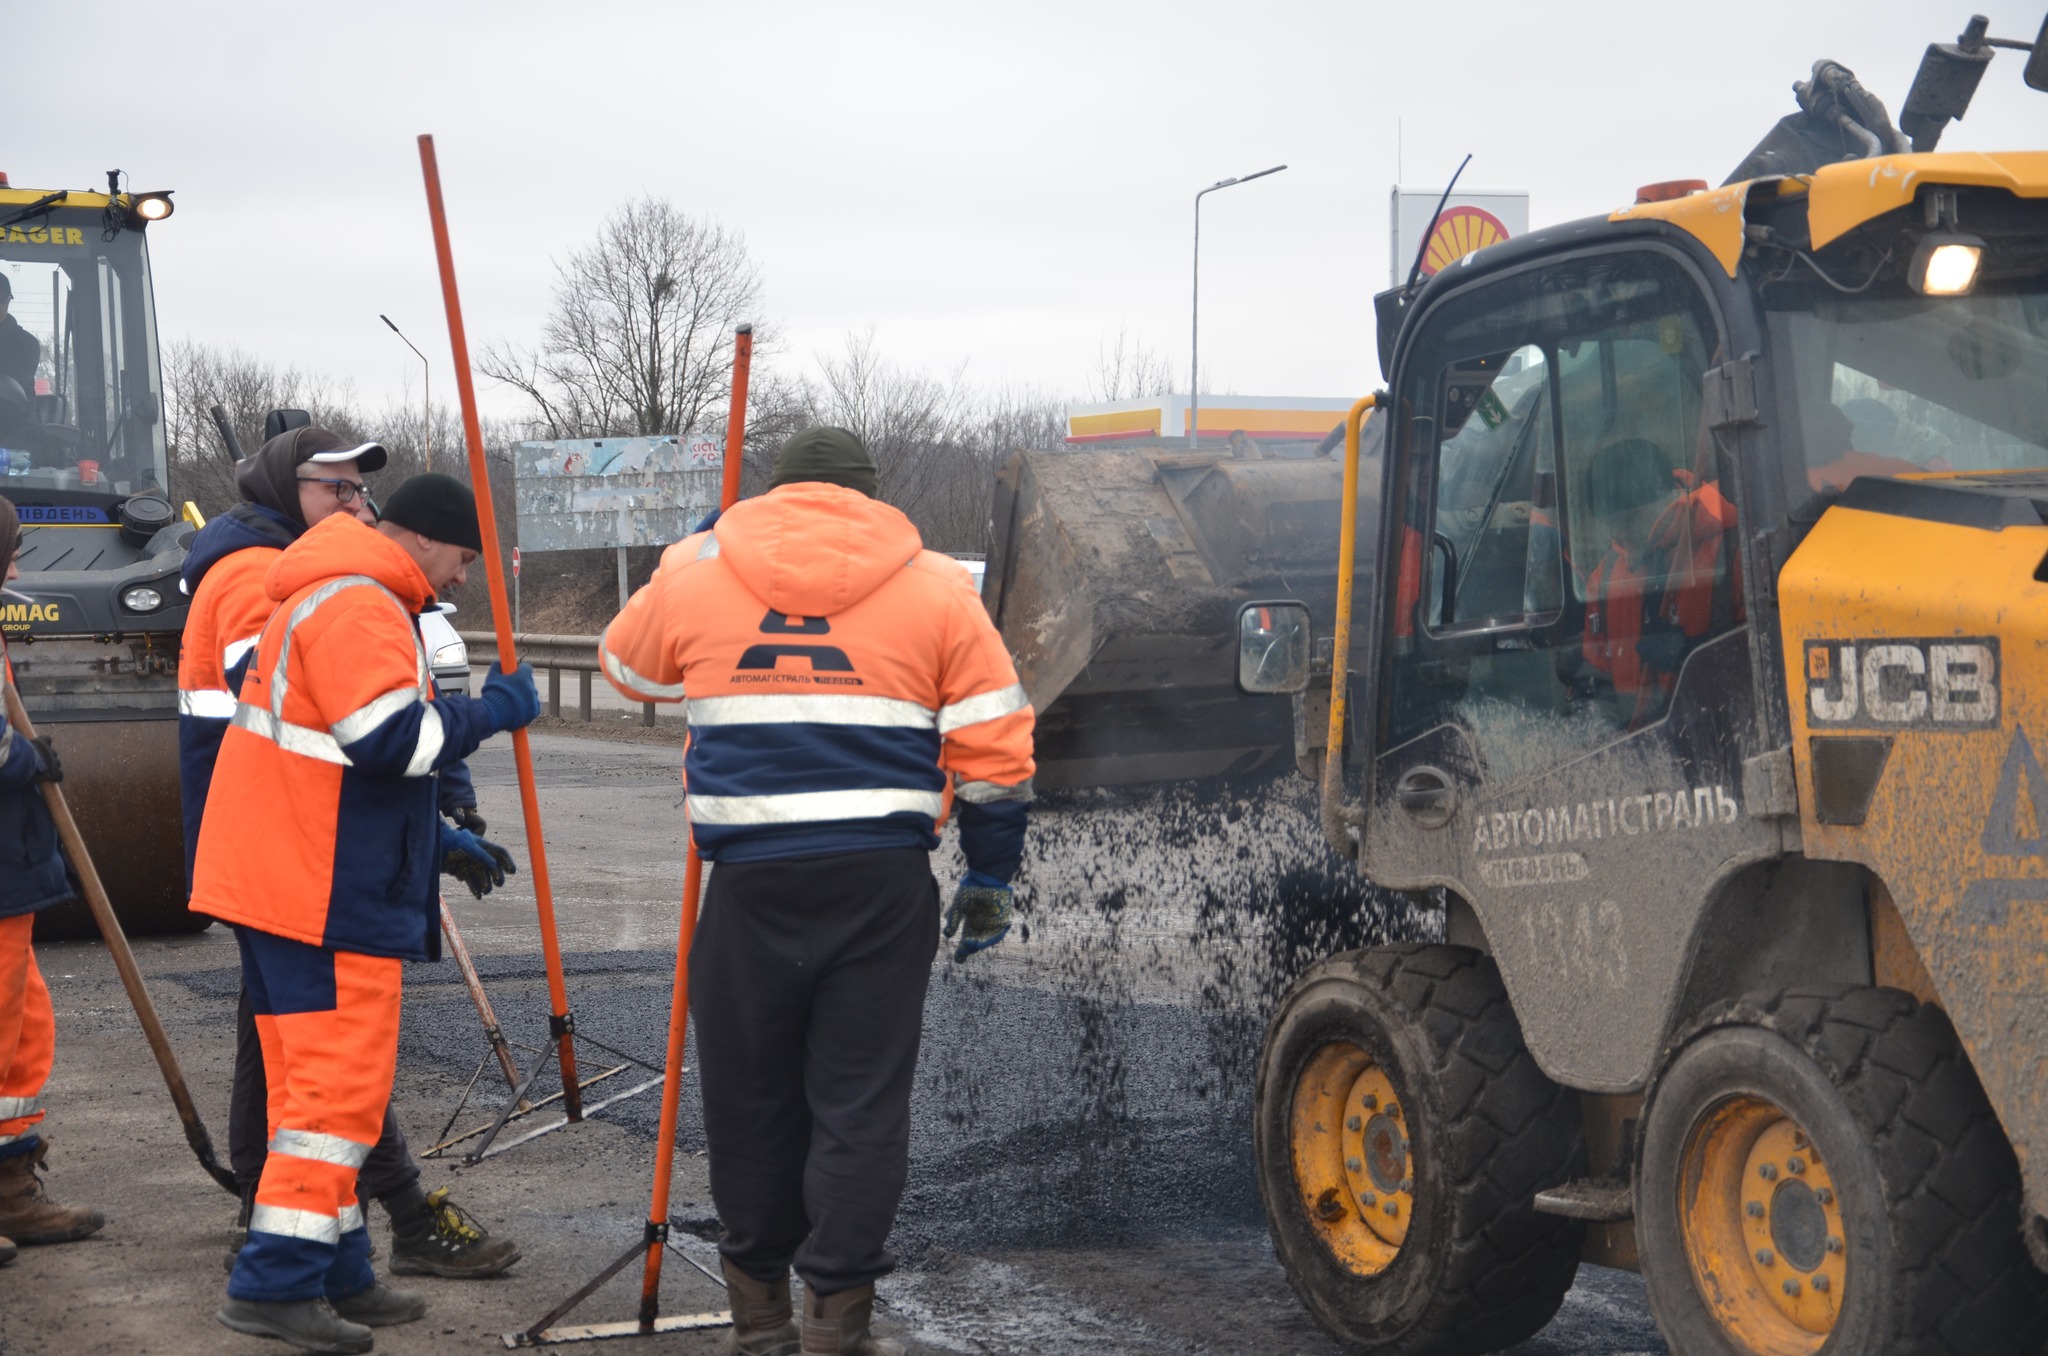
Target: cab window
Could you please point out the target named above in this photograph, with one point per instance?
(1566, 542)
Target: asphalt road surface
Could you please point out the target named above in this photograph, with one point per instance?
(1080, 1179)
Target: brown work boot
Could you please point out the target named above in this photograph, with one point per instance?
(7, 1251)
(837, 1325)
(28, 1215)
(763, 1323)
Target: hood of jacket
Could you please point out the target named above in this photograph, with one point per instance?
(343, 545)
(241, 527)
(814, 550)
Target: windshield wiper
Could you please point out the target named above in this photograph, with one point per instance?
(42, 204)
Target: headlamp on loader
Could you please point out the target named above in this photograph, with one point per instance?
(148, 207)
(1945, 264)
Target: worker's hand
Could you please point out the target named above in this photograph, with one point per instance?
(512, 697)
(52, 767)
(476, 862)
(980, 913)
(466, 817)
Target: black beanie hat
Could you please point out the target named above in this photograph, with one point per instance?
(832, 455)
(437, 507)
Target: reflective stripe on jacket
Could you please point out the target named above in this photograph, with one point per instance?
(839, 678)
(322, 822)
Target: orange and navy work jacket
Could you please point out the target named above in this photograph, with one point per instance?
(841, 681)
(224, 574)
(322, 824)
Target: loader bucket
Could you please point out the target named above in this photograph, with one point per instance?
(1115, 577)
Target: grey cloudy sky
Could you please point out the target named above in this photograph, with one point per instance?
(1005, 185)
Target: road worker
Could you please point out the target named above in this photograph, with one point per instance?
(321, 845)
(841, 680)
(298, 480)
(33, 876)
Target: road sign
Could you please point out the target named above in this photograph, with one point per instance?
(593, 493)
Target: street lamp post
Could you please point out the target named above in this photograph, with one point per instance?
(426, 389)
(1195, 326)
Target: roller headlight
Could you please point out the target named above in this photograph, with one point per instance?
(450, 656)
(142, 598)
(151, 206)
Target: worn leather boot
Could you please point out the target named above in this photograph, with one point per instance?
(28, 1215)
(763, 1322)
(309, 1325)
(380, 1306)
(6, 1251)
(837, 1325)
(430, 1236)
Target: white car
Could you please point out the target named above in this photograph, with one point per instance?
(447, 656)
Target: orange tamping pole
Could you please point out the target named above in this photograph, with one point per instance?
(693, 878)
(560, 1024)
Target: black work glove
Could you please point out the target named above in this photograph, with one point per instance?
(1662, 645)
(466, 817)
(476, 862)
(52, 765)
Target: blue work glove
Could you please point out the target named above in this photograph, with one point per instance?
(980, 913)
(513, 699)
(476, 862)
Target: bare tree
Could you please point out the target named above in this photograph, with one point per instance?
(197, 377)
(1129, 371)
(638, 342)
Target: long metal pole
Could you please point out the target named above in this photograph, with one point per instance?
(561, 1026)
(1195, 321)
(426, 389)
(124, 958)
(693, 877)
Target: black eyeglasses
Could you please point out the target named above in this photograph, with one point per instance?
(345, 491)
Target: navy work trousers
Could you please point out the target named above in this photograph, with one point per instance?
(807, 986)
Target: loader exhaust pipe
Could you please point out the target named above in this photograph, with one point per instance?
(124, 961)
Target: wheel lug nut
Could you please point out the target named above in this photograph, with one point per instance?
(1795, 1166)
(1352, 1165)
(1819, 1283)
(1755, 1209)
(1763, 1256)
(1394, 1110)
(1791, 1286)
(1369, 1102)
(1392, 1208)
(1354, 1123)
(1833, 1244)
(1767, 1171)
(1824, 1196)
(1368, 1198)
(1408, 1185)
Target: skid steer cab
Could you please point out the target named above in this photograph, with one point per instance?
(1706, 698)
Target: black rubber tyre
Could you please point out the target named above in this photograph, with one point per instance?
(1926, 1188)
(1479, 1268)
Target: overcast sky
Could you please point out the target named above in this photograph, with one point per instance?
(1000, 184)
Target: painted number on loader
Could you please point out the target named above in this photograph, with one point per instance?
(1945, 683)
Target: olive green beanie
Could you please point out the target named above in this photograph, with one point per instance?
(832, 455)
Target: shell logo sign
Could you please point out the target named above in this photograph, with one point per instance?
(1458, 232)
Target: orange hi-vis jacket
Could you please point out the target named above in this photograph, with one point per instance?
(322, 824)
(839, 676)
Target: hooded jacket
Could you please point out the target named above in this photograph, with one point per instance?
(322, 825)
(840, 678)
(225, 572)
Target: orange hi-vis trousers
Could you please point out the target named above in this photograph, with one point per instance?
(328, 1023)
(28, 1037)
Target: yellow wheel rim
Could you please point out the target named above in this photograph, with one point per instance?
(1763, 1228)
(1352, 1161)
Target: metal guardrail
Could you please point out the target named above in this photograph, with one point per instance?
(556, 655)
